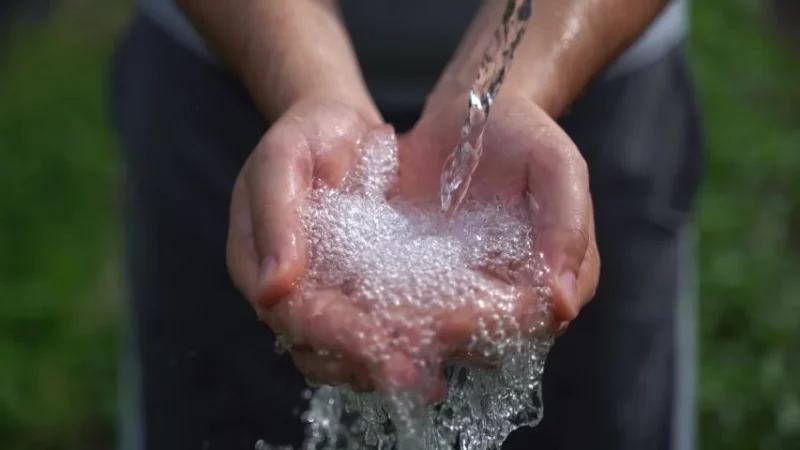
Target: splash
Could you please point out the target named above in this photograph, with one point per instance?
(389, 254)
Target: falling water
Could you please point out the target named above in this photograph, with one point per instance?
(392, 258)
(461, 164)
(391, 254)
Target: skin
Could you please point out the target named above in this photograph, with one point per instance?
(299, 66)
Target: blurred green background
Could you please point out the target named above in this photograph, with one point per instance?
(60, 280)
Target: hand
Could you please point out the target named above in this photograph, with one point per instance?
(332, 341)
(525, 154)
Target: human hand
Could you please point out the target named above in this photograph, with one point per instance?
(332, 341)
(526, 156)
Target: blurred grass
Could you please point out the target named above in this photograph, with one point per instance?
(58, 238)
(749, 225)
(58, 169)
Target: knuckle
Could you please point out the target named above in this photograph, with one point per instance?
(287, 144)
(574, 164)
(584, 238)
(594, 258)
(590, 272)
(566, 157)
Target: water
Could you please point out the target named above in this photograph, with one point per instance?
(459, 167)
(387, 255)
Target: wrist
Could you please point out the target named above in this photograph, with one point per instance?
(534, 79)
(284, 51)
(359, 102)
(544, 89)
(544, 95)
(285, 87)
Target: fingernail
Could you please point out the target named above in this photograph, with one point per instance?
(569, 285)
(562, 328)
(266, 296)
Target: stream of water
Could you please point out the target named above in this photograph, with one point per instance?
(459, 167)
(392, 255)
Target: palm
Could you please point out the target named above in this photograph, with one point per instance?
(313, 144)
(526, 158)
(502, 168)
(526, 153)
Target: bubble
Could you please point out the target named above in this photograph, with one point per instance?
(388, 255)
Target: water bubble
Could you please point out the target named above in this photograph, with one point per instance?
(384, 255)
(479, 260)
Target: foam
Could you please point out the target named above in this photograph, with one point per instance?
(386, 254)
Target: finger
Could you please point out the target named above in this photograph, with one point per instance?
(330, 323)
(495, 315)
(335, 161)
(331, 371)
(589, 274)
(291, 157)
(242, 260)
(321, 370)
(435, 389)
(561, 206)
(477, 326)
(472, 358)
(279, 175)
(482, 328)
(327, 370)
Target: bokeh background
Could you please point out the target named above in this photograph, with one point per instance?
(60, 272)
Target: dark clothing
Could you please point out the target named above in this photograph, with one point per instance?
(204, 374)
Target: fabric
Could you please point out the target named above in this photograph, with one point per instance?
(404, 45)
(201, 371)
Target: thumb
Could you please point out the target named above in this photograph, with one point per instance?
(565, 251)
(291, 156)
(561, 208)
(279, 179)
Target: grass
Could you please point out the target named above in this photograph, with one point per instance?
(57, 235)
(59, 241)
(749, 214)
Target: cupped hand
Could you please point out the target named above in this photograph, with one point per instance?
(526, 157)
(330, 339)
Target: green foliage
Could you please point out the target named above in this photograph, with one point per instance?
(749, 220)
(58, 240)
